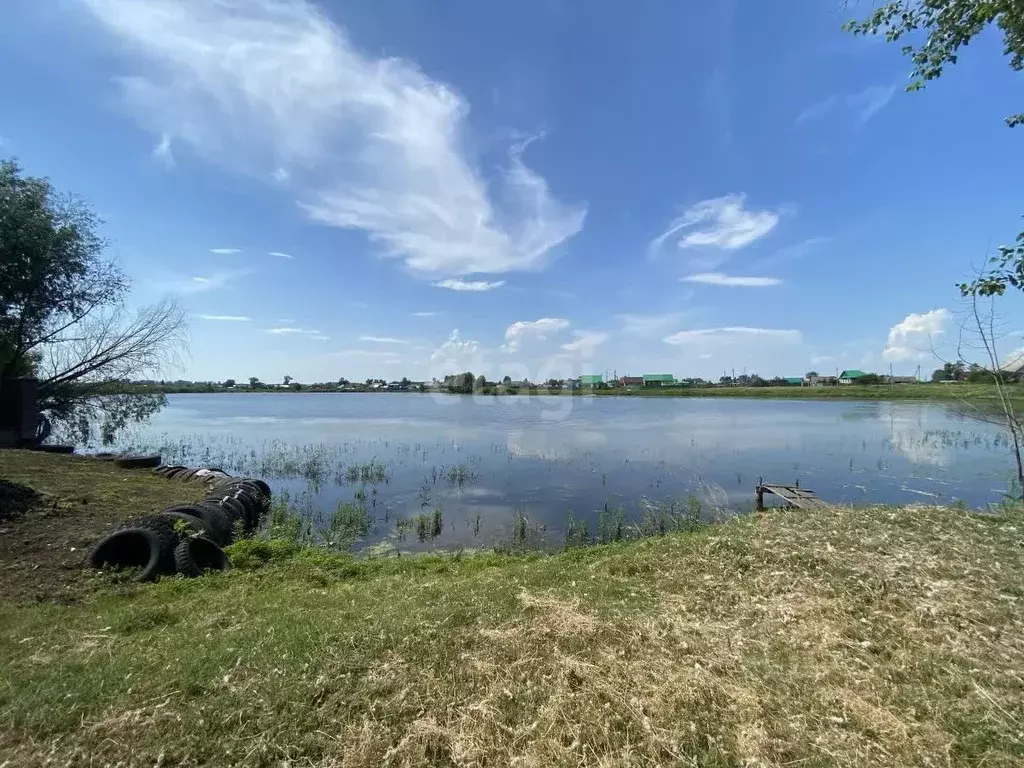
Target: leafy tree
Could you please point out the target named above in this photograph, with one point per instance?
(481, 382)
(950, 25)
(869, 378)
(405, 383)
(62, 315)
(254, 383)
(228, 383)
(811, 374)
(507, 380)
(287, 380)
(459, 383)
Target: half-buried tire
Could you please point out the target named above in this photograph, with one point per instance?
(138, 462)
(130, 548)
(163, 529)
(194, 556)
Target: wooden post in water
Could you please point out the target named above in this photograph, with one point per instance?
(759, 495)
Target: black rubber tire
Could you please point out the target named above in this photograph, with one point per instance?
(105, 456)
(234, 510)
(217, 522)
(190, 517)
(184, 477)
(163, 529)
(167, 469)
(130, 547)
(138, 462)
(253, 508)
(247, 486)
(196, 555)
(173, 474)
(263, 487)
(46, 448)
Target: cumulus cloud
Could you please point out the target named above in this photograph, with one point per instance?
(455, 355)
(913, 336)
(535, 329)
(458, 284)
(732, 281)
(372, 144)
(733, 333)
(721, 222)
(585, 341)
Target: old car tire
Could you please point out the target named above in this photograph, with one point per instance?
(217, 522)
(191, 517)
(194, 556)
(163, 529)
(130, 548)
(138, 462)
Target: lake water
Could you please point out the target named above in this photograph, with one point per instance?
(484, 459)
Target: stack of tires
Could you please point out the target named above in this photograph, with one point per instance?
(188, 538)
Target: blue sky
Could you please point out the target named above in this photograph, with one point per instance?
(541, 188)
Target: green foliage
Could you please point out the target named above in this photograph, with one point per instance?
(459, 383)
(611, 525)
(949, 25)
(52, 270)
(576, 533)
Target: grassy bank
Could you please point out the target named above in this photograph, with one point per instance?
(843, 637)
(42, 549)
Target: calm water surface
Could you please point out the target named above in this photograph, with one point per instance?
(482, 458)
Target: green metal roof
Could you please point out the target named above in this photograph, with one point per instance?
(591, 378)
(659, 377)
(794, 380)
(853, 373)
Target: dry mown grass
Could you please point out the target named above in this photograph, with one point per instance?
(847, 637)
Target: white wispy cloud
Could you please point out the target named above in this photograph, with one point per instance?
(279, 253)
(653, 324)
(424, 314)
(458, 284)
(227, 318)
(383, 340)
(162, 151)
(732, 333)
(373, 144)
(289, 329)
(585, 341)
(225, 251)
(718, 278)
(721, 222)
(376, 355)
(862, 105)
(819, 359)
(202, 283)
(912, 338)
(281, 175)
(536, 329)
(320, 337)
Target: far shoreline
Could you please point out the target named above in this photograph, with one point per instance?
(962, 393)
